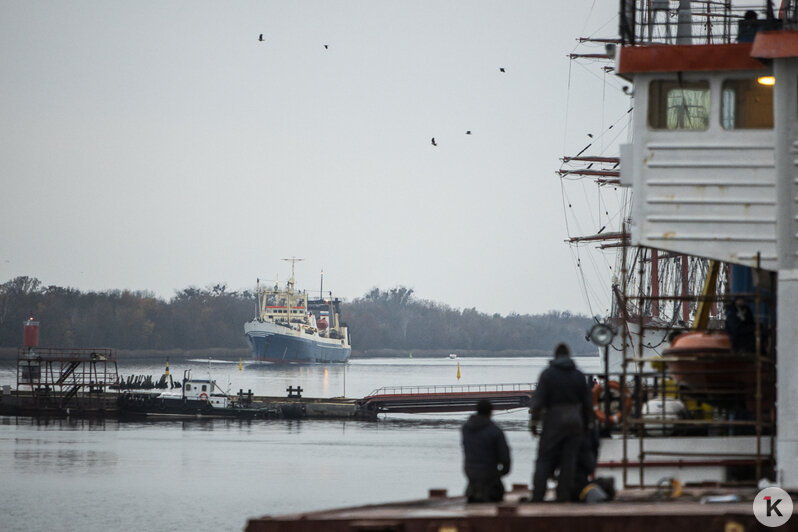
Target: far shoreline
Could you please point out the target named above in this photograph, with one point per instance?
(223, 353)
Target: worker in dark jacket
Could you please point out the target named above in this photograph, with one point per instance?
(741, 326)
(487, 457)
(562, 400)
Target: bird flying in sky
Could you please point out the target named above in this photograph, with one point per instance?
(433, 142)
(261, 37)
(501, 69)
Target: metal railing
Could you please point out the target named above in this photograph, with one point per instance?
(451, 388)
(700, 21)
(58, 354)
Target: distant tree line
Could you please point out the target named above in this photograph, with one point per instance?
(213, 317)
(193, 319)
(396, 319)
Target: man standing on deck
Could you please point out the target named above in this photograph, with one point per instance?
(741, 326)
(562, 399)
(487, 456)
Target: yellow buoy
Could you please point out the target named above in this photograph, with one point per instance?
(458, 371)
(240, 365)
(166, 372)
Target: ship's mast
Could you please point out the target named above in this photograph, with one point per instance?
(257, 292)
(290, 292)
(293, 261)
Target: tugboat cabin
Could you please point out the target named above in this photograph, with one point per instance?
(203, 390)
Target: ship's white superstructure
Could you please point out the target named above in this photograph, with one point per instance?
(293, 328)
(714, 170)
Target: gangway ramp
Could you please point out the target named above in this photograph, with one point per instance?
(446, 398)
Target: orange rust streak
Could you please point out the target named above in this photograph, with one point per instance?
(773, 44)
(684, 58)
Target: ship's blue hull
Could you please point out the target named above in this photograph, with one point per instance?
(274, 347)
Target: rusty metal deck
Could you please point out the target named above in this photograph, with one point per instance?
(633, 511)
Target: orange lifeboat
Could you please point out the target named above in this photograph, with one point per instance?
(698, 341)
(705, 363)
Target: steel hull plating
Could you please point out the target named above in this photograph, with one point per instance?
(274, 346)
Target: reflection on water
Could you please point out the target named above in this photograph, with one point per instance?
(109, 475)
(26, 461)
(61, 423)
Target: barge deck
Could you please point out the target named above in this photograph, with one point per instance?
(27, 404)
(631, 511)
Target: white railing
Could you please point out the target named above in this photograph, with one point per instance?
(451, 388)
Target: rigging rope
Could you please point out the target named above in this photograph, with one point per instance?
(597, 266)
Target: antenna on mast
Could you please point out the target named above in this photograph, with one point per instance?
(257, 293)
(293, 261)
(321, 285)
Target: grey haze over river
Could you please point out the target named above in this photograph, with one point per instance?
(211, 475)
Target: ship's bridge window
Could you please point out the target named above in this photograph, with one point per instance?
(746, 104)
(678, 105)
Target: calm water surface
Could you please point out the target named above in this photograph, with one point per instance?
(211, 475)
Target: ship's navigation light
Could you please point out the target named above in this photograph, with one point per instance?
(766, 80)
(601, 334)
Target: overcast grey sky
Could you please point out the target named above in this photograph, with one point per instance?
(159, 145)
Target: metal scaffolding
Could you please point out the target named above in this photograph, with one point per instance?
(56, 376)
(736, 390)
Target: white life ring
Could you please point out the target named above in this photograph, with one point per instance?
(203, 396)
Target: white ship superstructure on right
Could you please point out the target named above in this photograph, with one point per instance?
(713, 164)
(702, 164)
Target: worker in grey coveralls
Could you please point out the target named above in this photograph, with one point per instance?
(563, 400)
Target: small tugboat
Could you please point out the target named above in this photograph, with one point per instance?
(196, 397)
(203, 390)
